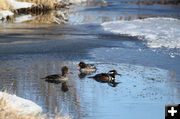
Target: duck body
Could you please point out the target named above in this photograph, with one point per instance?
(103, 78)
(87, 68)
(56, 78)
(106, 77)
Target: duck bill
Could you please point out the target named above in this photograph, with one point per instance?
(78, 67)
(119, 74)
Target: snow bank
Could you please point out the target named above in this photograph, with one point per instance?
(23, 18)
(76, 1)
(19, 5)
(16, 5)
(5, 13)
(159, 32)
(22, 105)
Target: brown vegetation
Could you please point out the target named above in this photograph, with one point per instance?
(47, 4)
(41, 5)
(5, 5)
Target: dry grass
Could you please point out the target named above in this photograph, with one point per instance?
(10, 112)
(41, 4)
(49, 17)
(5, 5)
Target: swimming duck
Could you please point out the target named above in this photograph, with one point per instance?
(57, 78)
(106, 77)
(86, 68)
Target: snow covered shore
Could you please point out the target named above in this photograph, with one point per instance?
(14, 107)
(16, 5)
(36, 6)
(158, 32)
(5, 13)
(21, 105)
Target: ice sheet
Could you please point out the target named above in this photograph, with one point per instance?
(159, 32)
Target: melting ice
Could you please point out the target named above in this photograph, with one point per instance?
(159, 32)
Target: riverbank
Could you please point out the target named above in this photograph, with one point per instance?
(29, 10)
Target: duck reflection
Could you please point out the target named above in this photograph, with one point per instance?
(82, 75)
(64, 87)
(113, 84)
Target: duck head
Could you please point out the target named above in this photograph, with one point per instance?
(65, 70)
(82, 65)
(113, 73)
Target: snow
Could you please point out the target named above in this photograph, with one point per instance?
(159, 32)
(77, 1)
(5, 13)
(23, 18)
(19, 5)
(16, 5)
(24, 105)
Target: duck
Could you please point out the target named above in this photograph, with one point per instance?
(87, 68)
(58, 78)
(106, 77)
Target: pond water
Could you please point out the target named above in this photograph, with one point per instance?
(150, 76)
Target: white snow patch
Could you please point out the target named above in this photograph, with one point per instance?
(16, 5)
(23, 18)
(5, 13)
(22, 105)
(76, 1)
(159, 32)
(19, 5)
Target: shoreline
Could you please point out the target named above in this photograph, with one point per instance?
(11, 8)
